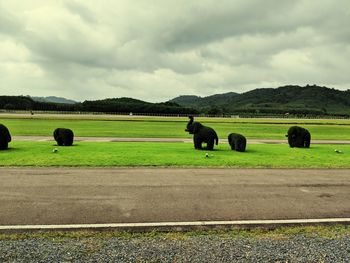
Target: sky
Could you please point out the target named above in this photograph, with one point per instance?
(157, 50)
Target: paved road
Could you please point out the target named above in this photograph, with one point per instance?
(121, 139)
(117, 195)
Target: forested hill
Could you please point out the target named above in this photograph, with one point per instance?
(27, 103)
(136, 106)
(196, 101)
(308, 100)
(287, 99)
(54, 100)
(113, 105)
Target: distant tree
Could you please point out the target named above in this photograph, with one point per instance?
(9, 106)
(215, 111)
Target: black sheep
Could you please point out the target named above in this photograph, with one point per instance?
(298, 137)
(5, 137)
(237, 142)
(201, 134)
(63, 137)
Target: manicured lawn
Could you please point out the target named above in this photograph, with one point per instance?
(173, 154)
(170, 128)
(109, 117)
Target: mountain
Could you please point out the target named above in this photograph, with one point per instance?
(54, 100)
(187, 100)
(309, 100)
(293, 99)
(27, 103)
(112, 105)
(136, 106)
(196, 101)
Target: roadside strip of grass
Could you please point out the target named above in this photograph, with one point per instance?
(169, 129)
(156, 154)
(330, 232)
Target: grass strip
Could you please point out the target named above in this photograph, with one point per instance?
(170, 129)
(132, 154)
(329, 232)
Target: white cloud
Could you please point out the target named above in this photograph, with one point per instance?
(160, 49)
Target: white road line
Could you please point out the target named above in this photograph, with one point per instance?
(180, 224)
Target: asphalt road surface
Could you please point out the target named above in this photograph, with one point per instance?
(128, 195)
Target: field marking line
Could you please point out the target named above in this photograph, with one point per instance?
(179, 224)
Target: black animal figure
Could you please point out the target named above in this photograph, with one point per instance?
(5, 137)
(298, 137)
(63, 137)
(201, 134)
(237, 141)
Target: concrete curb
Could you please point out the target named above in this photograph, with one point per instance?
(176, 226)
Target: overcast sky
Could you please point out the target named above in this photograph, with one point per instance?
(157, 50)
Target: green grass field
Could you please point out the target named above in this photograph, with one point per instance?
(123, 154)
(174, 127)
(104, 117)
(171, 154)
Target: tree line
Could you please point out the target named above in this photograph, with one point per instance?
(104, 106)
(127, 105)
